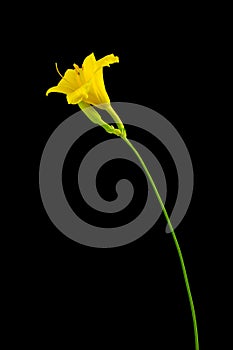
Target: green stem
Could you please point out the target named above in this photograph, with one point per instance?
(116, 118)
(174, 238)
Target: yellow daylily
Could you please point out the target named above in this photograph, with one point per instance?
(86, 84)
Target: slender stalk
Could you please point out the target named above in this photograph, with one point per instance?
(174, 238)
(116, 119)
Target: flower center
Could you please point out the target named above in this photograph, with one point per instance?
(79, 72)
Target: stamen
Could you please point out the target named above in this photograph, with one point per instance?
(77, 68)
(58, 70)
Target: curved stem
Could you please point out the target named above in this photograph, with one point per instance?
(174, 238)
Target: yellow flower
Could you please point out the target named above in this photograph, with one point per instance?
(85, 84)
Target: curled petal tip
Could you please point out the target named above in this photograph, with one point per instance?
(113, 58)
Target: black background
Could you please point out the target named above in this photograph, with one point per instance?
(134, 294)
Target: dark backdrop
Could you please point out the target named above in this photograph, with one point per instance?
(134, 294)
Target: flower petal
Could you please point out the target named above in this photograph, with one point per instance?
(97, 93)
(78, 95)
(93, 71)
(59, 88)
(69, 83)
(107, 60)
(72, 79)
(89, 66)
